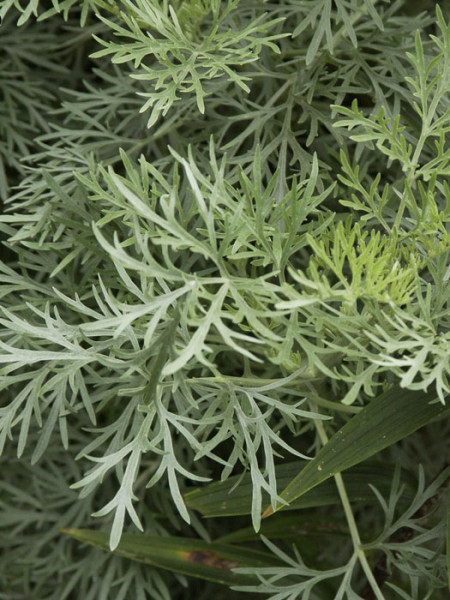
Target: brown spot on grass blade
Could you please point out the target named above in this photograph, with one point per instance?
(268, 512)
(208, 558)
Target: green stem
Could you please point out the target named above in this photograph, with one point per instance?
(244, 381)
(354, 533)
(335, 406)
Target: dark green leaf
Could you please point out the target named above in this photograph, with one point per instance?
(388, 418)
(285, 527)
(230, 498)
(196, 558)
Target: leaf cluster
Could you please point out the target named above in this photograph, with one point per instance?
(225, 233)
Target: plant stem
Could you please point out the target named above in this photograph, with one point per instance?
(359, 552)
(335, 406)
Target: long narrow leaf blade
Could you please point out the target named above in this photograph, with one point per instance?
(304, 528)
(195, 558)
(388, 418)
(233, 497)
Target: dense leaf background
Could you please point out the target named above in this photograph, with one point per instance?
(224, 280)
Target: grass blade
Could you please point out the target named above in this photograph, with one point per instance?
(390, 417)
(195, 558)
(289, 527)
(233, 498)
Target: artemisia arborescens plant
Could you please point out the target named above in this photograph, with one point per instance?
(225, 287)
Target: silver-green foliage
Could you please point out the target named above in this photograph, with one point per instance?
(212, 248)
